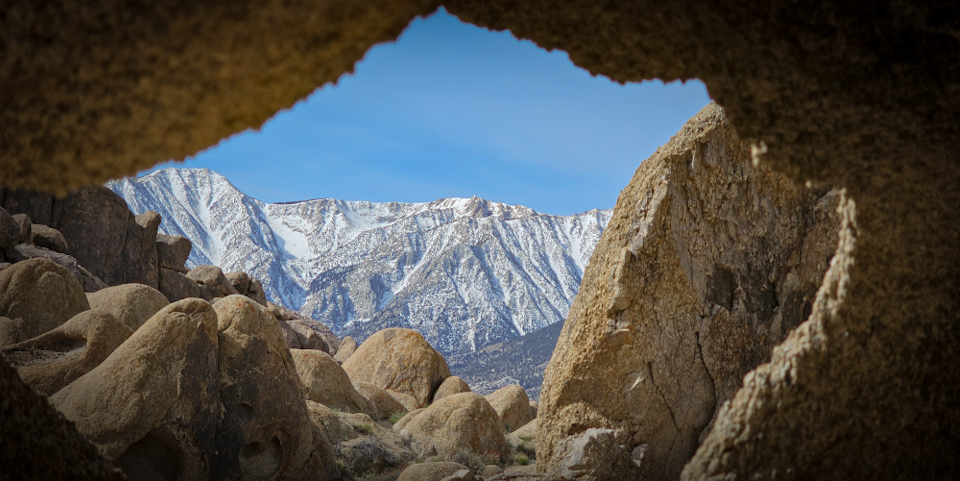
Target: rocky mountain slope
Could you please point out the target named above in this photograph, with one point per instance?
(466, 273)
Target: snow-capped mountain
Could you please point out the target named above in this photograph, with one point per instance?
(466, 273)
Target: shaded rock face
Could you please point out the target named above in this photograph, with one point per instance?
(38, 295)
(176, 286)
(10, 333)
(44, 236)
(254, 444)
(212, 282)
(707, 263)
(55, 359)
(595, 455)
(26, 228)
(173, 251)
(400, 360)
(152, 406)
(88, 281)
(247, 286)
(27, 418)
(380, 404)
(325, 381)
(330, 340)
(347, 348)
(461, 421)
(11, 230)
(132, 304)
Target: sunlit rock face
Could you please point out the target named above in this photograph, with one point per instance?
(707, 264)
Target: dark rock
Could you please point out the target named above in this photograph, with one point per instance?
(173, 251)
(26, 228)
(38, 295)
(9, 231)
(46, 236)
(248, 286)
(9, 332)
(212, 282)
(177, 286)
(40, 207)
(596, 455)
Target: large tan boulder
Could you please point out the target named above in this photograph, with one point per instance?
(450, 386)
(258, 376)
(707, 263)
(512, 406)
(58, 357)
(212, 282)
(430, 471)
(380, 404)
(347, 347)
(461, 421)
(400, 360)
(153, 405)
(38, 295)
(132, 304)
(325, 381)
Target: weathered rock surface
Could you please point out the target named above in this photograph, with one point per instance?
(512, 406)
(347, 347)
(48, 237)
(325, 381)
(327, 421)
(401, 360)
(408, 402)
(56, 358)
(38, 295)
(211, 281)
(307, 338)
(10, 231)
(132, 304)
(706, 265)
(176, 286)
(248, 286)
(9, 332)
(380, 404)
(528, 430)
(152, 406)
(173, 252)
(38, 442)
(461, 421)
(450, 386)
(254, 446)
(26, 229)
(430, 471)
(88, 281)
(595, 455)
(331, 341)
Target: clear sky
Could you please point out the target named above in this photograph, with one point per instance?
(454, 110)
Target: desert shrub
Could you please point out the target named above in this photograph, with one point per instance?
(397, 416)
(364, 428)
(525, 438)
(475, 462)
(367, 458)
(527, 450)
(387, 476)
(521, 459)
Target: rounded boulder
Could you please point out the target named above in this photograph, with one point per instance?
(325, 381)
(132, 304)
(463, 421)
(450, 386)
(38, 295)
(512, 406)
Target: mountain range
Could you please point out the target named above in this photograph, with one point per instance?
(466, 273)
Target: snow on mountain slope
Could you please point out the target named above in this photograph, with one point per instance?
(466, 273)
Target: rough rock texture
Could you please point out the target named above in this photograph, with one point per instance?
(173, 251)
(38, 295)
(450, 386)
(258, 376)
(595, 455)
(26, 228)
(45, 236)
(325, 381)
(330, 340)
(408, 402)
(248, 286)
(430, 471)
(306, 337)
(38, 442)
(176, 286)
(461, 421)
(56, 358)
(132, 304)
(9, 332)
(329, 423)
(152, 405)
(706, 264)
(88, 281)
(347, 347)
(512, 406)
(212, 282)
(380, 404)
(860, 95)
(10, 230)
(401, 360)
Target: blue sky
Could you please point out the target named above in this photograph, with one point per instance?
(451, 109)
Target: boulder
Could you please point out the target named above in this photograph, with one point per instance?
(175, 285)
(512, 406)
(368, 456)
(211, 281)
(331, 341)
(132, 304)
(528, 430)
(290, 337)
(595, 455)
(56, 358)
(38, 295)
(461, 475)
(26, 229)
(256, 292)
(239, 280)
(307, 338)
(400, 360)
(248, 286)
(40, 207)
(39, 443)
(327, 421)
(45, 236)
(153, 405)
(10, 231)
(380, 404)
(173, 252)
(408, 402)
(258, 375)
(430, 471)
(9, 332)
(88, 281)
(450, 386)
(325, 381)
(347, 347)
(462, 421)
(707, 263)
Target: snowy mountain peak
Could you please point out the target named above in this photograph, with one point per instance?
(464, 272)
